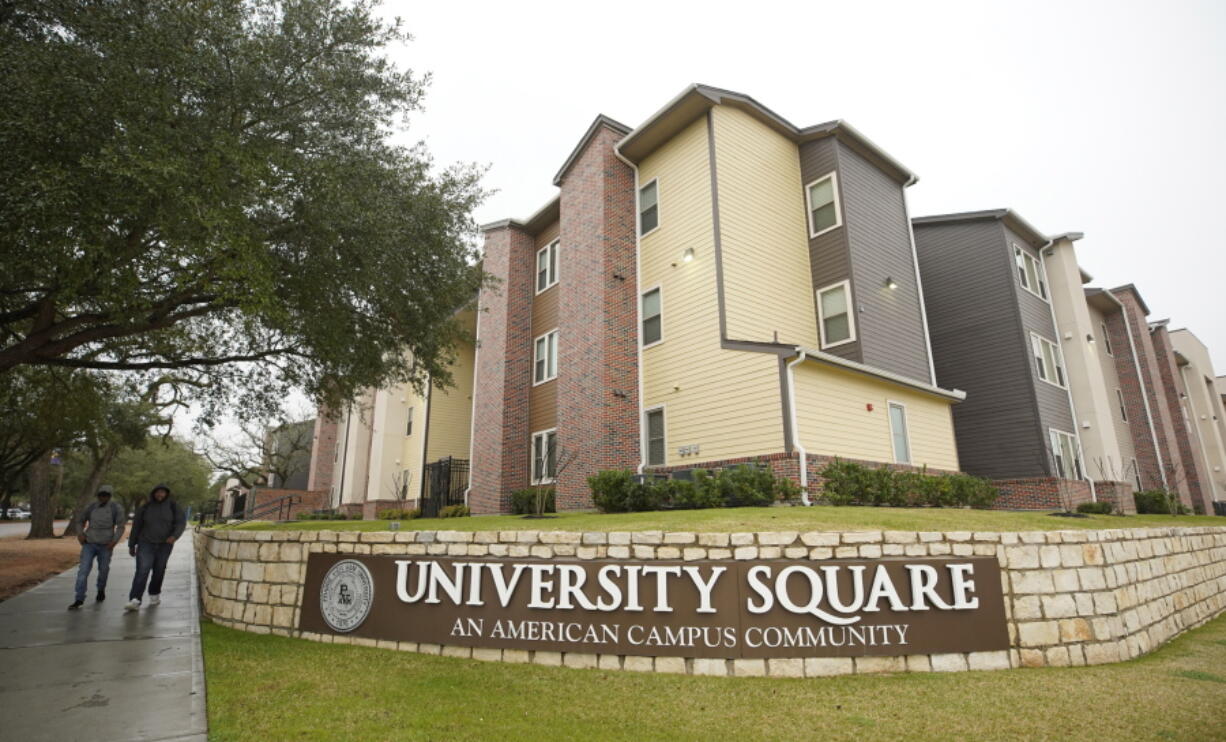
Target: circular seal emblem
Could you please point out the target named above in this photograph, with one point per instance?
(346, 595)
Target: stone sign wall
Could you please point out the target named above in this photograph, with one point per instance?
(1070, 597)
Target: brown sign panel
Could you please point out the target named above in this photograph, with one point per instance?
(729, 609)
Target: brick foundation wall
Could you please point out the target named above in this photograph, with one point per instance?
(503, 373)
(308, 500)
(1071, 597)
(1041, 493)
(1117, 493)
(371, 508)
(597, 419)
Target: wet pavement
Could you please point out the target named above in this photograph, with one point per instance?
(98, 673)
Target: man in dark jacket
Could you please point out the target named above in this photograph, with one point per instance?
(156, 527)
(105, 519)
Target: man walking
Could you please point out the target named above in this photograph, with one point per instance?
(106, 519)
(157, 525)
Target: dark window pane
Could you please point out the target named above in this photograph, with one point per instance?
(824, 217)
(649, 220)
(655, 438)
(651, 330)
(838, 328)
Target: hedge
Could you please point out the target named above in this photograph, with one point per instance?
(849, 483)
(620, 491)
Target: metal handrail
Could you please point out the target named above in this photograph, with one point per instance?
(282, 506)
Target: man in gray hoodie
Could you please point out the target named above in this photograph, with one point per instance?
(157, 525)
(106, 519)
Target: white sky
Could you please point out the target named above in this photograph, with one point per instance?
(1106, 118)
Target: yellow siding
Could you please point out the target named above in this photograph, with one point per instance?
(727, 402)
(411, 445)
(451, 411)
(767, 283)
(832, 418)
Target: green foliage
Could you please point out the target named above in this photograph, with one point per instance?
(617, 491)
(134, 472)
(399, 514)
(849, 483)
(454, 511)
(188, 184)
(523, 502)
(322, 515)
(1158, 502)
(1096, 508)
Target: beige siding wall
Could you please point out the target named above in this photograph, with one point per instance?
(451, 411)
(1121, 470)
(411, 444)
(767, 283)
(727, 402)
(833, 420)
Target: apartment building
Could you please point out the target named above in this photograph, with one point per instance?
(714, 286)
(1204, 411)
(383, 449)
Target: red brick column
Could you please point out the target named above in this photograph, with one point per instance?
(1187, 437)
(503, 372)
(1133, 388)
(323, 452)
(597, 329)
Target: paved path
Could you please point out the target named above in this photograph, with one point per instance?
(98, 673)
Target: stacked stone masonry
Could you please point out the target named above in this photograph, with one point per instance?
(1071, 597)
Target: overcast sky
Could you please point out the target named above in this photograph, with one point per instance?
(1107, 118)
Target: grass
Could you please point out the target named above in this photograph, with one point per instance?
(822, 518)
(273, 688)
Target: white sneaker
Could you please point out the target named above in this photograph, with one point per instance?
(155, 599)
(131, 605)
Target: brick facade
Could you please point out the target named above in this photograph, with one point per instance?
(1117, 493)
(598, 334)
(503, 372)
(306, 501)
(323, 452)
(1133, 388)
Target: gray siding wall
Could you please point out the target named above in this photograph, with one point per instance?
(1052, 401)
(978, 345)
(829, 256)
(891, 324)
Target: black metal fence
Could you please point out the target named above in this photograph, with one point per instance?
(1219, 507)
(443, 483)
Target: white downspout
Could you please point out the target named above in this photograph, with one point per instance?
(638, 305)
(800, 449)
(1136, 364)
(1068, 382)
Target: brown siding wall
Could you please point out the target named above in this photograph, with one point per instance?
(829, 254)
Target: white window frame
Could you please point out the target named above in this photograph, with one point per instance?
(535, 358)
(544, 479)
(851, 314)
(551, 278)
(1057, 355)
(833, 176)
(906, 429)
(643, 318)
(1119, 397)
(646, 443)
(1053, 439)
(638, 209)
(1106, 339)
(1020, 253)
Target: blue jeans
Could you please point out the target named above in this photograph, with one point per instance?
(150, 558)
(89, 552)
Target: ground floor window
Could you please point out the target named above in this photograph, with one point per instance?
(655, 437)
(898, 433)
(1066, 454)
(544, 456)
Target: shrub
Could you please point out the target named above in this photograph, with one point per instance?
(399, 514)
(454, 511)
(696, 495)
(1158, 502)
(1096, 508)
(971, 491)
(848, 483)
(523, 502)
(845, 482)
(612, 490)
(617, 491)
(321, 515)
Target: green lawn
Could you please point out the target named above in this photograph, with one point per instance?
(770, 519)
(273, 688)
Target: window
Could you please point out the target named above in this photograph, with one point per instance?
(834, 313)
(1136, 475)
(649, 207)
(408, 428)
(1068, 458)
(547, 266)
(545, 358)
(822, 196)
(652, 329)
(1047, 360)
(1030, 272)
(544, 456)
(655, 437)
(898, 432)
(1119, 396)
(1106, 339)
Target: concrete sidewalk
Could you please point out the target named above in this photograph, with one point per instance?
(98, 673)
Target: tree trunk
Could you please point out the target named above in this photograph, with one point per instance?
(92, 483)
(42, 509)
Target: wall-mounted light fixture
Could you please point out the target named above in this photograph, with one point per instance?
(688, 255)
(1090, 338)
(890, 283)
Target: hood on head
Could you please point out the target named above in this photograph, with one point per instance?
(160, 487)
(105, 489)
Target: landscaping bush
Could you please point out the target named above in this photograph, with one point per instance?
(321, 515)
(523, 502)
(455, 511)
(1158, 502)
(618, 491)
(399, 514)
(848, 483)
(1096, 508)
